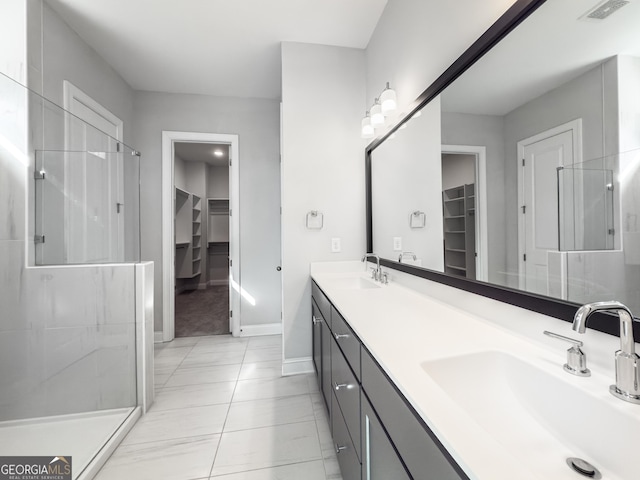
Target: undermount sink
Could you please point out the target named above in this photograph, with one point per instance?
(354, 283)
(540, 418)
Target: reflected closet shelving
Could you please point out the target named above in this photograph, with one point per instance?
(458, 204)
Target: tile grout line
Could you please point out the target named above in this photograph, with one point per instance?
(215, 455)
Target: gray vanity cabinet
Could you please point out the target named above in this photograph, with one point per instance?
(380, 461)
(376, 434)
(321, 341)
(345, 451)
(421, 452)
(317, 340)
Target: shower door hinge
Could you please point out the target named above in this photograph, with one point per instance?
(524, 257)
(230, 213)
(230, 313)
(612, 231)
(230, 162)
(38, 239)
(39, 175)
(523, 162)
(118, 147)
(610, 187)
(230, 263)
(119, 206)
(524, 209)
(135, 153)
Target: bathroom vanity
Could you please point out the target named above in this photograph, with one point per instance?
(425, 381)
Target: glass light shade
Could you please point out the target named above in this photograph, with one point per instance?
(377, 118)
(367, 129)
(388, 102)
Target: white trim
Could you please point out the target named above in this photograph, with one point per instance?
(218, 283)
(71, 92)
(482, 242)
(259, 330)
(109, 448)
(168, 217)
(297, 366)
(575, 126)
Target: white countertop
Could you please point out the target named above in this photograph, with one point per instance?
(411, 321)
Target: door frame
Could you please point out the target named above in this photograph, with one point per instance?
(482, 244)
(575, 127)
(168, 222)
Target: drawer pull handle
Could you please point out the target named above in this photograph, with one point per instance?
(338, 336)
(316, 320)
(338, 386)
(339, 448)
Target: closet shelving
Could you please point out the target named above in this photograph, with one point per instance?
(187, 234)
(458, 204)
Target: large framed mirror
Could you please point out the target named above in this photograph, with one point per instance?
(517, 174)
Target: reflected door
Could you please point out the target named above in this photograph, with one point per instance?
(94, 182)
(541, 160)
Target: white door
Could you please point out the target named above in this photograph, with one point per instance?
(539, 210)
(94, 182)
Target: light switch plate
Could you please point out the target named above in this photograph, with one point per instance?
(397, 244)
(335, 245)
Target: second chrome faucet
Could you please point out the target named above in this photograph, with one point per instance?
(627, 386)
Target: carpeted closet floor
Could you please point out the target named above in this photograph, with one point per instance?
(203, 312)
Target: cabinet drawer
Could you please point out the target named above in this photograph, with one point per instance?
(347, 458)
(347, 341)
(347, 392)
(323, 303)
(421, 451)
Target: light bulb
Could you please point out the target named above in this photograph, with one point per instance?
(377, 118)
(367, 129)
(388, 101)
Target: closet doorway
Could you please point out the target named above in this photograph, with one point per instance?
(200, 278)
(201, 180)
(464, 211)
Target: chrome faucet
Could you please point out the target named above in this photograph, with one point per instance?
(627, 385)
(407, 254)
(376, 273)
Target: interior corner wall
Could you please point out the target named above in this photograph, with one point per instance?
(323, 99)
(415, 41)
(257, 123)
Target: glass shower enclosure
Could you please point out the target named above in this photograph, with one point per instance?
(69, 244)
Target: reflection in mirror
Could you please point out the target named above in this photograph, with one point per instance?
(550, 120)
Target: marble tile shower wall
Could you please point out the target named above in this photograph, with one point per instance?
(67, 334)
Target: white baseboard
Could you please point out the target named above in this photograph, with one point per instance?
(257, 330)
(296, 366)
(157, 337)
(219, 283)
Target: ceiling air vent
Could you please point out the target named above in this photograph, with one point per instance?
(604, 9)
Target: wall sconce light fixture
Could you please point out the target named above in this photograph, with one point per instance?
(367, 130)
(388, 102)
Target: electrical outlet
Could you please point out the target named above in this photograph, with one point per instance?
(397, 244)
(335, 245)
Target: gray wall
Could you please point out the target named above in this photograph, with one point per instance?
(458, 169)
(256, 121)
(322, 169)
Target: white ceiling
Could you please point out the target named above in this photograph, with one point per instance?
(550, 48)
(202, 152)
(213, 47)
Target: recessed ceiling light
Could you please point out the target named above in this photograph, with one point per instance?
(218, 153)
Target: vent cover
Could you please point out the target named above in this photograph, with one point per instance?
(604, 9)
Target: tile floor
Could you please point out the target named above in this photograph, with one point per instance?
(223, 411)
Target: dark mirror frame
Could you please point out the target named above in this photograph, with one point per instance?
(560, 309)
